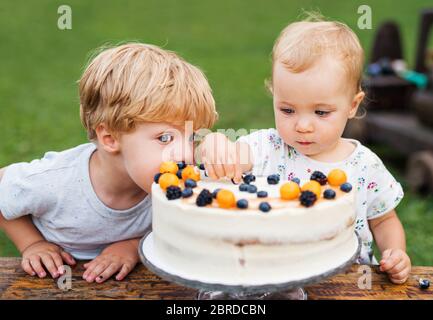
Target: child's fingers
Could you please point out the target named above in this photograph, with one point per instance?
(390, 262)
(229, 170)
(108, 272)
(25, 264)
(238, 171)
(37, 266)
(400, 266)
(58, 261)
(67, 257)
(211, 171)
(386, 254)
(48, 262)
(96, 271)
(400, 277)
(126, 268)
(219, 170)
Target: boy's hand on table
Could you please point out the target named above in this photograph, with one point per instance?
(397, 264)
(119, 257)
(44, 253)
(224, 158)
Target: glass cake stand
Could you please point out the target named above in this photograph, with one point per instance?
(213, 291)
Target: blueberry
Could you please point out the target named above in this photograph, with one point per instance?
(319, 177)
(346, 187)
(264, 206)
(204, 198)
(242, 204)
(190, 183)
(296, 180)
(201, 166)
(273, 179)
(249, 178)
(156, 177)
(187, 192)
(307, 198)
(243, 187)
(215, 192)
(424, 283)
(179, 173)
(329, 194)
(173, 193)
(252, 188)
(262, 194)
(181, 165)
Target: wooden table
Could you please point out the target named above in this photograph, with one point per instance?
(143, 284)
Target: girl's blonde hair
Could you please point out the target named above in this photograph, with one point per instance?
(135, 82)
(302, 43)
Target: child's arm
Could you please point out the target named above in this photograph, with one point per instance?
(119, 257)
(35, 250)
(224, 158)
(390, 238)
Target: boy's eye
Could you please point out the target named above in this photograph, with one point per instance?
(165, 138)
(287, 110)
(322, 113)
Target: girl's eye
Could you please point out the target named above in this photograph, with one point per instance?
(165, 138)
(322, 113)
(287, 111)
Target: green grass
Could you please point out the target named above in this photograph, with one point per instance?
(230, 40)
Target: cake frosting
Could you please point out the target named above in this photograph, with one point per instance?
(235, 246)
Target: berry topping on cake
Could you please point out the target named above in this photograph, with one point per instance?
(226, 199)
(307, 198)
(168, 179)
(329, 194)
(181, 165)
(262, 194)
(168, 166)
(252, 188)
(204, 198)
(156, 177)
(346, 187)
(187, 192)
(242, 204)
(319, 177)
(215, 192)
(179, 173)
(313, 186)
(191, 172)
(190, 183)
(296, 180)
(273, 179)
(264, 206)
(243, 187)
(424, 283)
(249, 178)
(289, 191)
(337, 177)
(173, 193)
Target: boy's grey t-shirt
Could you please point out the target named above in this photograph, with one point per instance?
(56, 190)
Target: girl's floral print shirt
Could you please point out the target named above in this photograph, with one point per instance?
(377, 190)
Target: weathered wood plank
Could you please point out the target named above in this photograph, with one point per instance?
(143, 284)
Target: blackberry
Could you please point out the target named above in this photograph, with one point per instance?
(307, 198)
(262, 194)
(201, 166)
(190, 183)
(243, 187)
(249, 178)
(296, 180)
(156, 177)
(252, 188)
(329, 194)
(179, 174)
(273, 179)
(187, 192)
(204, 198)
(173, 193)
(215, 192)
(424, 283)
(242, 204)
(181, 165)
(346, 187)
(264, 206)
(319, 177)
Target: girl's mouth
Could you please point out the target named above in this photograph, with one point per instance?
(304, 143)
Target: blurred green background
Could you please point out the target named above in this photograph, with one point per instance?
(230, 40)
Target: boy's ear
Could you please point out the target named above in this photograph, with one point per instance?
(106, 139)
(357, 99)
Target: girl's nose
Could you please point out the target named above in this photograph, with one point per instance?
(304, 125)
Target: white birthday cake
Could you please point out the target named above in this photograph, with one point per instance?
(262, 231)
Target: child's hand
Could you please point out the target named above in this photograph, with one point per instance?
(397, 264)
(119, 257)
(44, 253)
(224, 158)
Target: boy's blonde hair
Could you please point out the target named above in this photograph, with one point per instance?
(136, 82)
(302, 43)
